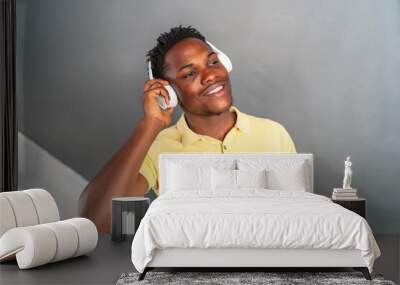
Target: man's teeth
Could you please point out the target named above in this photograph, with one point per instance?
(215, 90)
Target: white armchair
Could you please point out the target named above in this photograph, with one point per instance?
(31, 231)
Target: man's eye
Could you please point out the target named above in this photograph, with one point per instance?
(215, 61)
(189, 74)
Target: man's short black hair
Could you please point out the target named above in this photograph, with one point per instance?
(164, 42)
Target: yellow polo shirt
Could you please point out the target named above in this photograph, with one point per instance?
(249, 134)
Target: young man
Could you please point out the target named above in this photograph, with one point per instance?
(209, 123)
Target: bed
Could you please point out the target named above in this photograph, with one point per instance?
(245, 210)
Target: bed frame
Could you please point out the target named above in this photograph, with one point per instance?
(244, 259)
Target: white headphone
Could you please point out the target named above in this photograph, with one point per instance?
(223, 58)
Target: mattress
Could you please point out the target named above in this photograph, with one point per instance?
(253, 219)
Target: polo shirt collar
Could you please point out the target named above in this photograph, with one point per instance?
(189, 137)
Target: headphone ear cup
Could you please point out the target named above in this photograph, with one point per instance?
(173, 98)
(225, 61)
(223, 58)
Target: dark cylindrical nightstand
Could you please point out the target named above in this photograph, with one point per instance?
(357, 206)
(127, 212)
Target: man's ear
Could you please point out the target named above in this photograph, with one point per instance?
(180, 102)
(181, 105)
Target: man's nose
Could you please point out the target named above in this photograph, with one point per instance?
(208, 76)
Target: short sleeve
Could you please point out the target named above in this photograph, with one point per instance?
(287, 144)
(149, 171)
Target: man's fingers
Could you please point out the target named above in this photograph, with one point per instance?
(155, 86)
(160, 91)
(150, 83)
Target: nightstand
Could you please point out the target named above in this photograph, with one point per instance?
(127, 213)
(357, 206)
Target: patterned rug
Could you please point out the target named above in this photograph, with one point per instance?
(273, 278)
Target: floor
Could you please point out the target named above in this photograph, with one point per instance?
(111, 259)
(388, 263)
(104, 265)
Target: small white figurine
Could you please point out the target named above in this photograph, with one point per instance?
(347, 174)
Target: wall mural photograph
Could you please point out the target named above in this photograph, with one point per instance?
(174, 142)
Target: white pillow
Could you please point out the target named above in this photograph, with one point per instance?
(281, 174)
(183, 177)
(288, 178)
(234, 179)
(223, 178)
(251, 178)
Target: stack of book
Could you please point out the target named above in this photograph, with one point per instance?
(344, 194)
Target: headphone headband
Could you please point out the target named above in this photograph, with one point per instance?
(150, 71)
(222, 57)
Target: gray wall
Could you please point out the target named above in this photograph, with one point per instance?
(327, 70)
(39, 169)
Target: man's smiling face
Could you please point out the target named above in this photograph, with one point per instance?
(198, 77)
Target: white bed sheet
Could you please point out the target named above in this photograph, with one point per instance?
(250, 218)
